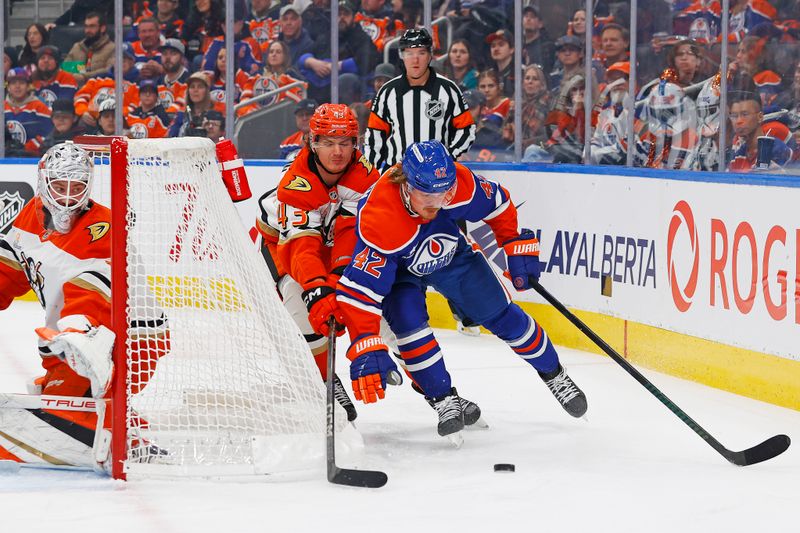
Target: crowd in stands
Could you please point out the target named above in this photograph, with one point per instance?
(174, 65)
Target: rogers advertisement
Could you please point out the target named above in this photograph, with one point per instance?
(714, 260)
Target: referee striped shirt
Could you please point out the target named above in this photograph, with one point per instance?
(403, 114)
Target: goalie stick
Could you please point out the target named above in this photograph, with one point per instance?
(764, 451)
(372, 479)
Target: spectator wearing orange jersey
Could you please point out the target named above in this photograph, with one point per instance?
(376, 19)
(198, 101)
(172, 93)
(149, 120)
(50, 82)
(240, 79)
(94, 91)
(263, 22)
(277, 73)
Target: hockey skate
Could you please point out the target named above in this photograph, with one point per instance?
(571, 398)
(472, 413)
(451, 416)
(340, 393)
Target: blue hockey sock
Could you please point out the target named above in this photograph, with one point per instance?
(527, 338)
(423, 359)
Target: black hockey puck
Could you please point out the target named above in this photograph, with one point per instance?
(504, 467)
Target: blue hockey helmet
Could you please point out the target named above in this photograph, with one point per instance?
(429, 168)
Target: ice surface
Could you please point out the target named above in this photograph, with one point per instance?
(633, 466)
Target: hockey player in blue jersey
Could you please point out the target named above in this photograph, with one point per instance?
(408, 239)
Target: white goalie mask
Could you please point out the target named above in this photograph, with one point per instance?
(669, 111)
(65, 183)
(708, 109)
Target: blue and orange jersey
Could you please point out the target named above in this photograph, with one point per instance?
(62, 86)
(711, 12)
(292, 143)
(740, 23)
(28, 123)
(152, 124)
(143, 56)
(413, 244)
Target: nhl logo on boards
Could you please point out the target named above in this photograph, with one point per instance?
(10, 206)
(434, 109)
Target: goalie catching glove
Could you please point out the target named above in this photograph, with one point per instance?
(371, 368)
(320, 300)
(86, 349)
(522, 254)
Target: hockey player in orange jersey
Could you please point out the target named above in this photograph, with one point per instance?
(59, 246)
(307, 225)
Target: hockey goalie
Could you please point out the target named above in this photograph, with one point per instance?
(59, 247)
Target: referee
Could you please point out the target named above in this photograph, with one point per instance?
(417, 106)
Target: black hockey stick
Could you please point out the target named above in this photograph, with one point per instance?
(768, 449)
(343, 476)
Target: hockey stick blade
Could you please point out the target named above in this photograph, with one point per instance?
(759, 453)
(370, 479)
(762, 452)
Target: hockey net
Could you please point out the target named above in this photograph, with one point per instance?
(213, 377)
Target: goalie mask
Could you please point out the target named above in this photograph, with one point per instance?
(64, 185)
(669, 111)
(708, 109)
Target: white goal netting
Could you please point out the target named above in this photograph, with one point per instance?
(220, 380)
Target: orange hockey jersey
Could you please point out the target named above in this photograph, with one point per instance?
(95, 90)
(71, 276)
(313, 225)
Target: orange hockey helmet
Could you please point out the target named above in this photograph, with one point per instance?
(334, 120)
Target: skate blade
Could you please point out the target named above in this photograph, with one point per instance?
(470, 331)
(456, 439)
(479, 424)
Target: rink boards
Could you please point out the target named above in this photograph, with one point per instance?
(701, 272)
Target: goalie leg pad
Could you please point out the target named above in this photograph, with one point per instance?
(30, 436)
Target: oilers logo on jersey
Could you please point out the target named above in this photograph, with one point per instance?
(433, 253)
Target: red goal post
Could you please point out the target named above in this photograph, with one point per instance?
(212, 376)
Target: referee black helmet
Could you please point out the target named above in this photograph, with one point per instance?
(416, 38)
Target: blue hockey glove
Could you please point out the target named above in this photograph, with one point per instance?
(370, 366)
(522, 254)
